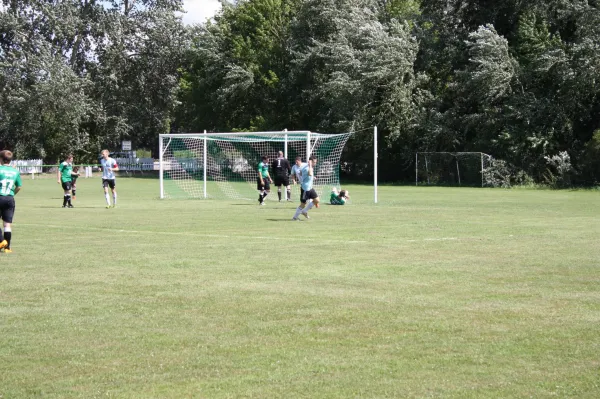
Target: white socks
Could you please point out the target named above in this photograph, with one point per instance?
(298, 211)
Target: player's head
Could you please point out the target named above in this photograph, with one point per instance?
(312, 160)
(6, 157)
(298, 161)
(76, 169)
(344, 194)
(69, 158)
(280, 154)
(265, 158)
(105, 154)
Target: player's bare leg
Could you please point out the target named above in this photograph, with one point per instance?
(5, 243)
(315, 203)
(107, 197)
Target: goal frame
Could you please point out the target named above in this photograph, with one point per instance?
(206, 136)
(425, 153)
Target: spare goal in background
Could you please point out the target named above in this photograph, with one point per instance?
(451, 168)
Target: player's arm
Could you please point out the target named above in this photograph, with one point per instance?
(18, 184)
(58, 173)
(114, 168)
(260, 176)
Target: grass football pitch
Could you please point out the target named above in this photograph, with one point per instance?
(432, 292)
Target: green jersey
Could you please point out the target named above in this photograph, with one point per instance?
(65, 169)
(263, 169)
(9, 179)
(335, 200)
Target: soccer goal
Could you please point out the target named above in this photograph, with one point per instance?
(451, 168)
(224, 165)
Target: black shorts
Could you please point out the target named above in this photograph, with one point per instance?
(301, 194)
(309, 195)
(7, 208)
(266, 186)
(66, 185)
(109, 183)
(282, 181)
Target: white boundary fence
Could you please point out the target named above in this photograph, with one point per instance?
(135, 164)
(28, 165)
(36, 166)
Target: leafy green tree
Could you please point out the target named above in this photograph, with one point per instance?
(80, 75)
(236, 66)
(43, 101)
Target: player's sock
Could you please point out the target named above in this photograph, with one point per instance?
(64, 200)
(7, 236)
(265, 195)
(310, 205)
(279, 194)
(289, 194)
(298, 211)
(68, 196)
(107, 198)
(260, 196)
(114, 199)
(73, 194)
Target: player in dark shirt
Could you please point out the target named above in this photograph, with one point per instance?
(282, 169)
(74, 176)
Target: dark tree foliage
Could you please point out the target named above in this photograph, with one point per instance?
(514, 79)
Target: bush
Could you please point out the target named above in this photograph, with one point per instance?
(497, 173)
(558, 173)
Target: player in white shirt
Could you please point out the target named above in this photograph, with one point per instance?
(310, 197)
(297, 173)
(109, 167)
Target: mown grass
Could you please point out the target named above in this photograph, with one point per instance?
(432, 292)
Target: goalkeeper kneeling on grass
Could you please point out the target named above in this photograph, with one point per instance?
(338, 198)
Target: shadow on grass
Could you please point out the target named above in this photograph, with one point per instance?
(74, 207)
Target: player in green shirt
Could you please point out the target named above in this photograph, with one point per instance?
(263, 182)
(338, 198)
(10, 184)
(63, 175)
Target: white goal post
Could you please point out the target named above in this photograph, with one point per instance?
(451, 168)
(224, 165)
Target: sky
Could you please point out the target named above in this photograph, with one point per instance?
(199, 10)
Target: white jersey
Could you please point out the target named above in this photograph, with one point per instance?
(108, 163)
(307, 179)
(297, 170)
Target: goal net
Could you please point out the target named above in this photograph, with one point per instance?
(225, 165)
(451, 168)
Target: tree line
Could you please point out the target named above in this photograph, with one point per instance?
(517, 80)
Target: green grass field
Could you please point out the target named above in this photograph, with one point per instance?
(433, 292)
